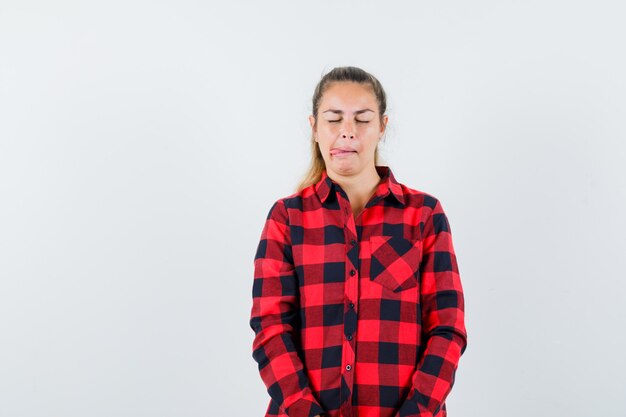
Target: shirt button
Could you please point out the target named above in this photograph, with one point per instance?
(351, 305)
(352, 272)
(353, 242)
(348, 367)
(349, 337)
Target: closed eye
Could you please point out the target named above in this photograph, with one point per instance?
(337, 121)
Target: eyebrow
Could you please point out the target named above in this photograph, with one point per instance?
(341, 111)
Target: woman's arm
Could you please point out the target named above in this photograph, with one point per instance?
(275, 307)
(443, 319)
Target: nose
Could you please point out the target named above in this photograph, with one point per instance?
(348, 131)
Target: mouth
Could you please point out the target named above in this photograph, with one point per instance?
(341, 151)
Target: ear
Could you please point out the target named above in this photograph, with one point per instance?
(384, 124)
(313, 129)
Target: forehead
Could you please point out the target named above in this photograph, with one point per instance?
(348, 96)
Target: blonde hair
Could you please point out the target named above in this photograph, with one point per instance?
(338, 74)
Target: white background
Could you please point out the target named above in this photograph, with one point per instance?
(143, 143)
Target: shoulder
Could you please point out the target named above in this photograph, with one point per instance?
(280, 208)
(433, 218)
(294, 202)
(419, 199)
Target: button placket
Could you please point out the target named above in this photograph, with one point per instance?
(351, 295)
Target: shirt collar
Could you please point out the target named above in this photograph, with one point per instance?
(387, 185)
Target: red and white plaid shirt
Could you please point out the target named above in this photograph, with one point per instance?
(357, 317)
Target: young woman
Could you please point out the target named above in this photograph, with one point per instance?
(357, 303)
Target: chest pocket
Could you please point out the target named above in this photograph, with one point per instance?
(394, 262)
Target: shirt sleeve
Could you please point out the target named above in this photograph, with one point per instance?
(274, 319)
(443, 320)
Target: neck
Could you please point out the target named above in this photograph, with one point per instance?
(359, 188)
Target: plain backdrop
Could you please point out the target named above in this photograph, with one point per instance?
(142, 144)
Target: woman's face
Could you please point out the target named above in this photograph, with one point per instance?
(348, 128)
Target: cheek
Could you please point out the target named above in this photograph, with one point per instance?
(324, 142)
(327, 136)
(330, 129)
(369, 128)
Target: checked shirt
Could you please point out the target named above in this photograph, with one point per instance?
(357, 316)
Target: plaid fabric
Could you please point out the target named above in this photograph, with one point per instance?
(357, 316)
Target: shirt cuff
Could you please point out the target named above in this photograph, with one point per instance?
(412, 408)
(304, 408)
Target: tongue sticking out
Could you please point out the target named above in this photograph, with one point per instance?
(340, 152)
